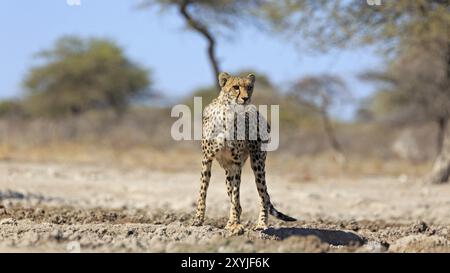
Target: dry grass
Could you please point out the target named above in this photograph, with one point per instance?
(142, 138)
(307, 168)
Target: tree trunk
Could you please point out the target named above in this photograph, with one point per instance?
(335, 145)
(442, 126)
(204, 31)
(441, 167)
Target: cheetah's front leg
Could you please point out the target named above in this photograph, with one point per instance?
(257, 161)
(233, 181)
(204, 183)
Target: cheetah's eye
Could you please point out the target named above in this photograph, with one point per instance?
(236, 87)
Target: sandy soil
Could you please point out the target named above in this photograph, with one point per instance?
(95, 208)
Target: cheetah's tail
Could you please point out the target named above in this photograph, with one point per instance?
(280, 215)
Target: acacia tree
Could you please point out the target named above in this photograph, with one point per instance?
(320, 93)
(414, 90)
(77, 75)
(390, 26)
(327, 24)
(211, 19)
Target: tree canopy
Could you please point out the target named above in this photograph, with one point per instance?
(327, 24)
(77, 75)
(212, 19)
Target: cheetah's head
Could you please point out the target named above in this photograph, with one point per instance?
(237, 89)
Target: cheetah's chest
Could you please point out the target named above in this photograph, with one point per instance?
(235, 152)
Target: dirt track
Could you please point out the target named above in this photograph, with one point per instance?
(58, 207)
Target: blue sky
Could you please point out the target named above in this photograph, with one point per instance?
(160, 42)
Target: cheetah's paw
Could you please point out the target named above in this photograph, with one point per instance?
(235, 228)
(197, 222)
(260, 226)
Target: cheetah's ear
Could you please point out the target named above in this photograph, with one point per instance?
(251, 77)
(223, 77)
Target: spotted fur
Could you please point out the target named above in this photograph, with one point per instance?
(220, 141)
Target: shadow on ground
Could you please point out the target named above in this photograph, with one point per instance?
(333, 237)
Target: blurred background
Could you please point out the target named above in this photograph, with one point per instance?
(363, 88)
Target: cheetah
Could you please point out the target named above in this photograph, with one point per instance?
(220, 142)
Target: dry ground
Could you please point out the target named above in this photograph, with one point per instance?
(103, 207)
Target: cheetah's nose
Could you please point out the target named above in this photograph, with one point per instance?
(245, 99)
